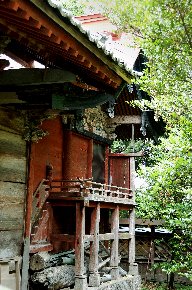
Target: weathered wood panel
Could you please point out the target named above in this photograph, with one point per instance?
(12, 168)
(12, 183)
(11, 194)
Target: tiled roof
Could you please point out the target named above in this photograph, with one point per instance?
(124, 57)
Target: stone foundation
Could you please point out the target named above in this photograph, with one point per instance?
(126, 283)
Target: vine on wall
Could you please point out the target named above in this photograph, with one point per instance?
(32, 129)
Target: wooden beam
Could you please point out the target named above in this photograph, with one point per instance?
(4, 63)
(126, 120)
(106, 237)
(9, 98)
(34, 76)
(26, 63)
(79, 102)
(124, 236)
(63, 237)
(141, 222)
(135, 154)
(102, 237)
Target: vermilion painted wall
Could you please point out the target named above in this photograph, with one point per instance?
(119, 170)
(48, 150)
(78, 152)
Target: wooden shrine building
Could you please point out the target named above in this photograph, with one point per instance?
(60, 184)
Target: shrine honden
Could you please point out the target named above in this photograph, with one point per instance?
(61, 188)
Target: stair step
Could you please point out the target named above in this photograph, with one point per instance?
(41, 247)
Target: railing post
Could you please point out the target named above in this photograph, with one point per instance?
(94, 277)
(80, 277)
(114, 259)
(133, 267)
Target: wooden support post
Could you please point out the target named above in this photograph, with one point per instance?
(132, 264)
(114, 261)
(133, 267)
(94, 277)
(152, 248)
(80, 277)
(28, 214)
(132, 176)
(152, 245)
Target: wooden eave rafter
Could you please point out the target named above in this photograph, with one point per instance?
(36, 25)
(82, 39)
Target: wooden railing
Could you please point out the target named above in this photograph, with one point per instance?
(81, 188)
(39, 198)
(90, 190)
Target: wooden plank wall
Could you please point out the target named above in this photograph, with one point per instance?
(12, 183)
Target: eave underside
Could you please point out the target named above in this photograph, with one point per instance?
(34, 36)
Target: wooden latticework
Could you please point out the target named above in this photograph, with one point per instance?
(144, 248)
(123, 248)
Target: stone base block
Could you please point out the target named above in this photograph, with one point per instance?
(133, 269)
(94, 279)
(80, 283)
(126, 283)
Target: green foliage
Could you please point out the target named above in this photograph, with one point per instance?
(163, 286)
(146, 146)
(127, 146)
(77, 7)
(167, 196)
(163, 30)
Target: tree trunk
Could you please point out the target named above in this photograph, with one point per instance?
(54, 277)
(44, 260)
(171, 281)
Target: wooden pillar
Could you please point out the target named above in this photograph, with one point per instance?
(132, 239)
(94, 277)
(28, 214)
(152, 251)
(133, 267)
(114, 259)
(80, 277)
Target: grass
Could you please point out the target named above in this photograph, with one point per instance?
(163, 286)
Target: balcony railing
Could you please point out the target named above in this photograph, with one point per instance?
(90, 191)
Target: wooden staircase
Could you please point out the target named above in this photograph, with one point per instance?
(40, 220)
(39, 197)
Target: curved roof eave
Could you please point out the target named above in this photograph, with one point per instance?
(117, 63)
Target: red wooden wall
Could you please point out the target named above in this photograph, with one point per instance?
(48, 150)
(77, 160)
(119, 170)
(71, 156)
